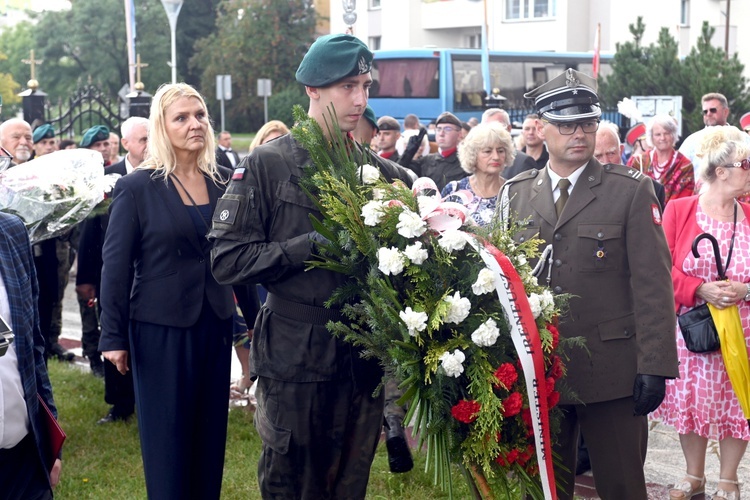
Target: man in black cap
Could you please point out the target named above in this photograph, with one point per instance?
(316, 415)
(388, 136)
(603, 225)
(45, 141)
(443, 166)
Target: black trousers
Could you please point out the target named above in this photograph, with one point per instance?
(617, 443)
(181, 378)
(22, 476)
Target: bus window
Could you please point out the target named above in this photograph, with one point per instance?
(412, 78)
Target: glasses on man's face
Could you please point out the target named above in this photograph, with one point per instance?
(588, 127)
(445, 130)
(744, 164)
(710, 110)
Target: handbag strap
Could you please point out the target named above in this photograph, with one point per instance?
(195, 205)
(731, 243)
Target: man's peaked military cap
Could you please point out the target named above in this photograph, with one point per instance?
(568, 97)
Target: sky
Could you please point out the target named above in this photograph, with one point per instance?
(40, 5)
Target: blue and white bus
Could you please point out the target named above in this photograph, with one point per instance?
(427, 82)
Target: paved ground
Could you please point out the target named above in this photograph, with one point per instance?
(664, 463)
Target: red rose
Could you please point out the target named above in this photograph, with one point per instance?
(506, 376)
(526, 455)
(508, 458)
(555, 335)
(466, 411)
(556, 370)
(553, 399)
(550, 386)
(512, 404)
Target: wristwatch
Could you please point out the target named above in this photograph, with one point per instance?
(747, 295)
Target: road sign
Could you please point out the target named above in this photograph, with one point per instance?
(264, 87)
(223, 87)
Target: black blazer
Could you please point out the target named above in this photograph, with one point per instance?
(222, 158)
(156, 238)
(92, 239)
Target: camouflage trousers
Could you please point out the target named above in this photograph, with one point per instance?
(319, 438)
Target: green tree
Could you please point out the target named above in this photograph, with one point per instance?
(254, 39)
(711, 71)
(15, 44)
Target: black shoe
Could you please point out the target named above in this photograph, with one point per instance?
(97, 367)
(59, 352)
(114, 416)
(399, 455)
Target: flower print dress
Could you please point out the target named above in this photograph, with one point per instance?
(702, 399)
(480, 209)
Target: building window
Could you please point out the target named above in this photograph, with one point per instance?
(374, 4)
(474, 41)
(685, 12)
(374, 42)
(529, 9)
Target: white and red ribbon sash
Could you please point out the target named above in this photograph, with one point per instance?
(441, 215)
(525, 336)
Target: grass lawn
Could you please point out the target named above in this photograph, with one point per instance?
(104, 462)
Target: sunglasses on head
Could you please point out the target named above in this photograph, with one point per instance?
(710, 110)
(744, 164)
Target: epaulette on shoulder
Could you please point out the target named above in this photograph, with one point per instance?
(524, 176)
(623, 171)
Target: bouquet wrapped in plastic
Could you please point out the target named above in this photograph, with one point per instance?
(56, 191)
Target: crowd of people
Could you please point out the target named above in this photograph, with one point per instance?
(203, 251)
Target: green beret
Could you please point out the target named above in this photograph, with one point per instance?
(94, 134)
(388, 123)
(43, 132)
(449, 118)
(332, 58)
(369, 115)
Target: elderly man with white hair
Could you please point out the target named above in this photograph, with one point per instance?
(17, 139)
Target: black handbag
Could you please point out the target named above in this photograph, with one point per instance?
(697, 326)
(699, 330)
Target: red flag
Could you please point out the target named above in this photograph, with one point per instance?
(597, 49)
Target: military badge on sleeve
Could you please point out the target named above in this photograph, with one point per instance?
(656, 214)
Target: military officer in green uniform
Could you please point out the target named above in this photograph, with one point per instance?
(603, 225)
(316, 415)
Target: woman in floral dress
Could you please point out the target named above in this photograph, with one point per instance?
(485, 152)
(702, 404)
(663, 162)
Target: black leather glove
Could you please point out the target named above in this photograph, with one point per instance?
(415, 142)
(316, 239)
(648, 393)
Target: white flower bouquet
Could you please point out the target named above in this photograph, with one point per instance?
(54, 192)
(451, 307)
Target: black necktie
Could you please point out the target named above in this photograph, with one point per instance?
(562, 185)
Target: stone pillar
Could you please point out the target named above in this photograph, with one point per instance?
(139, 103)
(33, 105)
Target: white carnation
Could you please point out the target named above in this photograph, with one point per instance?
(521, 260)
(415, 253)
(373, 212)
(487, 333)
(458, 308)
(378, 194)
(547, 301)
(535, 302)
(410, 224)
(452, 363)
(390, 260)
(416, 321)
(452, 239)
(368, 174)
(485, 282)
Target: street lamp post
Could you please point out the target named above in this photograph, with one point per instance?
(172, 7)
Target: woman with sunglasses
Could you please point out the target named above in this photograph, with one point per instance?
(663, 162)
(701, 403)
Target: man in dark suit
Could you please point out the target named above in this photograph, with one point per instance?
(225, 155)
(522, 162)
(26, 468)
(118, 388)
(603, 225)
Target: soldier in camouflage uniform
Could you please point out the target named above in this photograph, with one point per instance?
(316, 415)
